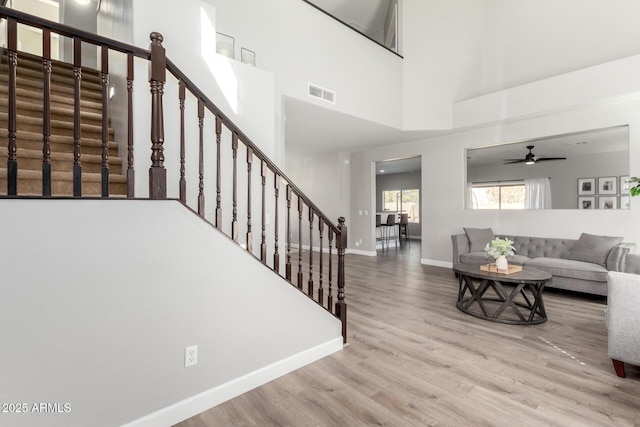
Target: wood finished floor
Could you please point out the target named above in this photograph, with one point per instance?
(413, 359)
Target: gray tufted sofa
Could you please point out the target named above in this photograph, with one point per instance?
(553, 256)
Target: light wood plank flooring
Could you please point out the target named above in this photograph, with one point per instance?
(413, 359)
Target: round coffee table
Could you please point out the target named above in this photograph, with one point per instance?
(507, 298)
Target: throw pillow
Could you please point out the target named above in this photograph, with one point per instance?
(594, 249)
(478, 238)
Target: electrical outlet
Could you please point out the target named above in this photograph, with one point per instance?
(190, 356)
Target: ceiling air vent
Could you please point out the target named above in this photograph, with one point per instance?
(321, 93)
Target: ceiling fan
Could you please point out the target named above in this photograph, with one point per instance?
(531, 159)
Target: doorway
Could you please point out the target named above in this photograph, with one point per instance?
(398, 190)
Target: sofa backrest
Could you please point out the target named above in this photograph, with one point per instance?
(535, 247)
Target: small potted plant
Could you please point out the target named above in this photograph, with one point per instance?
(635, 190)
(499, 249)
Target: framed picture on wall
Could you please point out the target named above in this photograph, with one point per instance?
(586, 186)
(608, 202)
(608, 185)
(625, 184)
(625, 202)
(586, 202)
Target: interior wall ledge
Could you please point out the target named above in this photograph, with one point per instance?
(606, 82)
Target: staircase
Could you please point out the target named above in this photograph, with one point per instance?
(29, 139)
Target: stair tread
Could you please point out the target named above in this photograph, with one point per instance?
(36, 121)
(64, 176)
(59, 139)
(26, 93)
(89, 115)
(56, 155)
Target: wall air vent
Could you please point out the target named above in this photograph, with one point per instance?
(321, 93)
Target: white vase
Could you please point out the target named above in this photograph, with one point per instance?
(501, 263)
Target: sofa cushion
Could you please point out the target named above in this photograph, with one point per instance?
(475, 258)
(478, 238)
(594, 249)
(518, 259)
(569, 268)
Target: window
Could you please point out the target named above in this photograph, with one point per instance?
(405, 201)
(498, 196)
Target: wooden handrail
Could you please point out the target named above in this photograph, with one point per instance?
(66, 30)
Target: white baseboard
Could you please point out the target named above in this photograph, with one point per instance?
(187, 408)
(436, 263)
(359, 252)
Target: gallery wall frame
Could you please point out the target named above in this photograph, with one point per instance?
(586, 186)
(608, 185)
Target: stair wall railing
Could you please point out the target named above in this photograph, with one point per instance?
(222, 174)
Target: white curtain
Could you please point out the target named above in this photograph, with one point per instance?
(537, 193)
(470, 204)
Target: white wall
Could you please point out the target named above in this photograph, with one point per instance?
(441, 45)
(103, 321)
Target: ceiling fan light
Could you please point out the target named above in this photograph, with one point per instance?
(530, 162)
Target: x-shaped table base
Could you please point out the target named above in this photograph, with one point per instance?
(501, 304)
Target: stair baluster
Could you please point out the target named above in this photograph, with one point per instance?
(12, 160)
(201, 158)
(310, 281)
(263, 235)
(288, 264)
(77, 79)
(320, 289)
(330, 296)
(276, 254)
(130, 166)
(183, 182)
(234, 221)
(300, 209)
(218, 222)
(46, 113)
(104, 79)
(249, 234)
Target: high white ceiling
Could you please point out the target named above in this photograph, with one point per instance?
(313, 130)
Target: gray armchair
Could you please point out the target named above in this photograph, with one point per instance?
(623, 316)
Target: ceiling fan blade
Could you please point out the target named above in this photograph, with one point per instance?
(541, 159)
(510, 161)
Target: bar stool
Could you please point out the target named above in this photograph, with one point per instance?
(404, 224)
(388, 226)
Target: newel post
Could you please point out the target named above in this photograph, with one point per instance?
(341, 305)
(157, 77)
